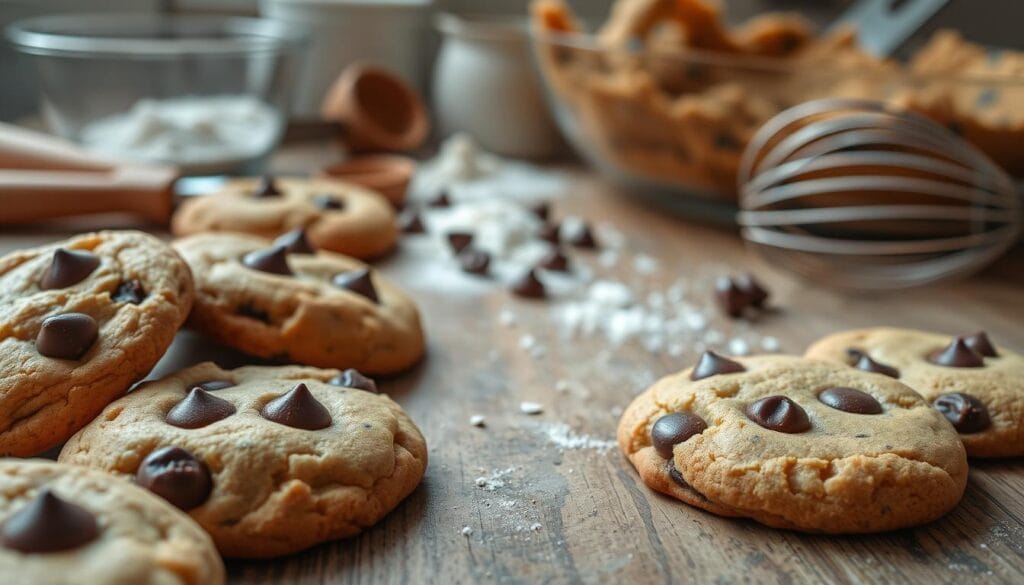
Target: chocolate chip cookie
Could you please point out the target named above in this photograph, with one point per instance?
(63, 524)
(80, 321)
(974, 383)
(268, 460)
(338, 216)
(795, 443)
(285, 300)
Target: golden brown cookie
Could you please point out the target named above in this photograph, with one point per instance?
(976, 384)
(65, 525)
(338, 216)
(81, 321)
(795, 443)
(268, 460)
(288, 301)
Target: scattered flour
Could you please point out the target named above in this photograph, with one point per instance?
(478, 420)
(564, 437)
(496, 480)
(531, 408)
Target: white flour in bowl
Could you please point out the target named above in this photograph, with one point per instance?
(199, 134)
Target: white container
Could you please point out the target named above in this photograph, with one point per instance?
(485, 85)
(389, 33)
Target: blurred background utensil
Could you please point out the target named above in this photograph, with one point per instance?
(883, 25)
(855, 194)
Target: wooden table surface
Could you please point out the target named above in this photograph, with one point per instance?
(558, 505)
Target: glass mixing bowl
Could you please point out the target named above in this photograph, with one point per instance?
(206, 93)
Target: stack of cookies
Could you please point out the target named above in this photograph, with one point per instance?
(253, 462)
(866, 433)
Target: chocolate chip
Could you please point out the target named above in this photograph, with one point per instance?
(957, 355)
(68, 267)
(267, 188)
(199, 409)
(251, 312)
(731, 299)
(850, 400)
(583, 238)
(981, 345)
(411, 222)
(474, 261)
(328, 202)
(529, 286)
(711, 364)
(352, 378)
(867, 364)
(726, 141)
(359, 282)
(295, 242)
(441, 200)
(66, 336)
(779, 413)
(542, 211)
(48, 524)
(674, 428)
(675, 475)
(297, 409)
(129, 291)
(551, 233)
(853, 355)
(459, 240)
(273, 260)
(213, 385)
(757, 295)
(555, 260)
(967, 413)
(177, 476)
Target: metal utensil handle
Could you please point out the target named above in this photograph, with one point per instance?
(883, 25)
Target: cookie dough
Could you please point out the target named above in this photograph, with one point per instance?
(65, 525)
(81, 321)
(976, 384)
(268, 460)
(657, 101)
(795, 443)
(338, 216)
(281, 301)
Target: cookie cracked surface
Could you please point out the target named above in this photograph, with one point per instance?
(773, 450)
(117, 532)
(273, 488)
(308, 316)
(80, 321)
(994, 382)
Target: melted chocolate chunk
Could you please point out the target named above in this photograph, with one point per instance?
(297, 409)
(66, 336)
(441, 200)
(329, 202)
(48, 524)
(957, 355)
(267, 188)
(867, 364)
(584, 238)
(731, 299)
(850, 400)
(779, 413)
(411, 222)
(214, 385)
(757, 294)
(177, 476)
(672, 429)
(676, 476)
(129, 291)
(551, 233)
(981, 345)
(555, 260)
(474, 261)
(352, 378)
(459, 241)
(853, 356)
(199, 409)
(967, 413)
(251, 312)
(272, 260)
(529, 286)
(68, 267)
(542, 211)
(359, 282)
(712, 364)
(295, 242)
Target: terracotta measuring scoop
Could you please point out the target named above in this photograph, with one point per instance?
(379, 111)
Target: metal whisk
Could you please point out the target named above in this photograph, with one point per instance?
(855, 194)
